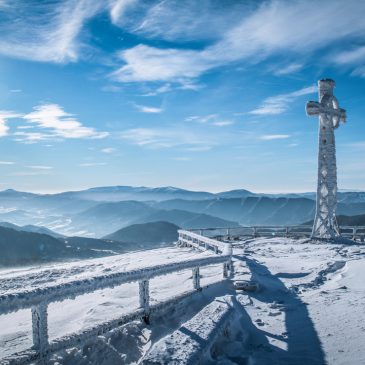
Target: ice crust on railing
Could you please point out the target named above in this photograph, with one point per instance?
(25, 299)
(194, 239)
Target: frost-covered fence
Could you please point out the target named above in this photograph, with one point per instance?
(192, 239)
(242, 232)
(38, 300)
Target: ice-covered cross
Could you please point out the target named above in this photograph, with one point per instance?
(330, 116)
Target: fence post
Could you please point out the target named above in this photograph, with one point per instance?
(254, 233)
(286, 232)
(196, 278)
(40, 328)
(144, 299)
(225, 269)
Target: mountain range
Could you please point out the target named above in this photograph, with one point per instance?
(98, 212)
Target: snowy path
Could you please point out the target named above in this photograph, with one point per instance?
(310, 307)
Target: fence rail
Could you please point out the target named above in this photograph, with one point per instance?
(39, 299)
(353, 232)
(190, 238)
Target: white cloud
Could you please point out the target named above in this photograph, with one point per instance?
(60, 124)
(185, 21)
(32, 137)
(108, 150)
(212, 119)
(288, 69)
(145, 63)
(118, 9)
(160, 90)
(40, 167)
(148, 109)
(350, 57)
(182, 158)
(223, 123)
(4, 115)
(270, 137)
(7, 163)
(201, 119)
(354, 57)
(280, 103)
(297, 27)
(42, 31)
(165, 138)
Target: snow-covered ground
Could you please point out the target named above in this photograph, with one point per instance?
(309, 308)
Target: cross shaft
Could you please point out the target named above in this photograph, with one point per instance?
(330, 116)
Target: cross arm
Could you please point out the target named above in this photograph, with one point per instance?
(343, 115)
(313, 108)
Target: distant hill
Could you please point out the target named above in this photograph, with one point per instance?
(142, 193)
(19, 248)
(146, 233)
(240, 193)
(346, 220)
(97, 244)
(355, 220)
(31, 228)
(188, 220)
(108, 217)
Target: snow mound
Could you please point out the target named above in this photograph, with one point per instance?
(191, 341)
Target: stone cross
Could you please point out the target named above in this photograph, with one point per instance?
(330, 115)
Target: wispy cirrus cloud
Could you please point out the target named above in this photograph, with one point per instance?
(165, 138)
(108, 150)
(119, 8)
(271, 137)
(4, 116)
(264, 31)
(223, 123)
(58, 124)
(212, 119)
(278, 104)
(354, 57)
(7, 163)
(288, 69)
(40, 167)
(45, 31)
(148, 109)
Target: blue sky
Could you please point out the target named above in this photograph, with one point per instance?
(204, 95)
